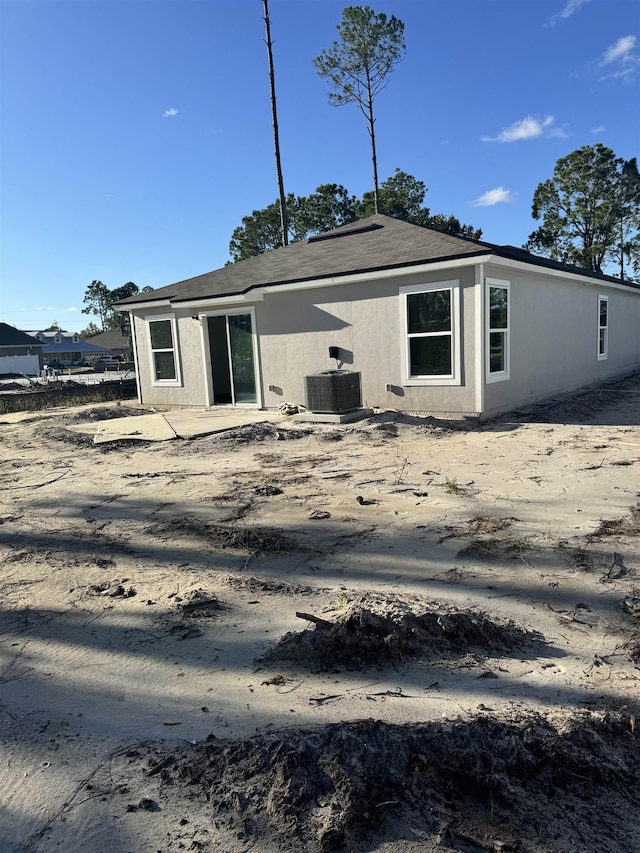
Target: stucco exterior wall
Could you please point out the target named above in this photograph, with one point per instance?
(364, 320)
(553, 342)
(189, 354)
(554, 337)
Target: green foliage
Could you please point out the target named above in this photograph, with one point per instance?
(401, 196)
(590, 210)
(54, 327)
(96, 300)
(326, 208)
(358, 66)
(452, 225)
(90, 331)
(260, 232)
(99, 300)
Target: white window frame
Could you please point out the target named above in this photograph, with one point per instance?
(498, 375)
(603, 355)
(455, 377)
(164, 383)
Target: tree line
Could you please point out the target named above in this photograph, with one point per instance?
(99, 301)
(402, 196)
(590, 208)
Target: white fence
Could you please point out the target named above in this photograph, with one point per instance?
(27, 364)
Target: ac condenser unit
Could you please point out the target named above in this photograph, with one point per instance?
(332, 391)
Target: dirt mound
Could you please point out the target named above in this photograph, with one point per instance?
(379, 630)
(96, 413)
(241, 437)
(79, 439)
(527, 783)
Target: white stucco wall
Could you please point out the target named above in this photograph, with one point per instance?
(296, 330)
(554, 337)
(553, 342)
(189, 355)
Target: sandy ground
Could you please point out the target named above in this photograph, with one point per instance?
(146, 588)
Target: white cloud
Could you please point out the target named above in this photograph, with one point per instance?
(621, 58)
(622, 50)
(571, 7)
(48, 308)
(491, 197)
(170, 113)
(599, 129)
(528, 128)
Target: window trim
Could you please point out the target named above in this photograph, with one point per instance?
(499, 375)
(164, 383)
(455, 377)
(602, 356)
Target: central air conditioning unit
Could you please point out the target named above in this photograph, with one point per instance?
(332, 392)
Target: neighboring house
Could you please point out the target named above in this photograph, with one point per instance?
(61, 349)
(19, 353)
(114, 342)
(433, 323)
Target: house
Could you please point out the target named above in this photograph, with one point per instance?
(114, 342)
(431, 322)
(62, 349)
(19, 352)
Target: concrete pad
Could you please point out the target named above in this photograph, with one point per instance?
(328, 418)
(189, 423)
(140, 427)
(182, 423)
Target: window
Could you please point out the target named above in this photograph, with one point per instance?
(603, 327)
(497, 330)
(431, 317)
(164, 361)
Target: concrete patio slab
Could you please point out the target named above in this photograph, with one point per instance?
(165, 426)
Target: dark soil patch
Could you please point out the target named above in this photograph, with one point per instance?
(256, 540)
(528, 783)
(377, 631)
(241, 437)
(58, 433)
(107, 413)
(79, 439)
(112, 589)
(68, 393)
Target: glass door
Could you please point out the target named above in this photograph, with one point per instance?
(232, 359)
(243, 370)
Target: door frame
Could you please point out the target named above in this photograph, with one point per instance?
(206, 351)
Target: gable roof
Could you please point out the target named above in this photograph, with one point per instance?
(12, 337)
(376, 243)
(111, 339)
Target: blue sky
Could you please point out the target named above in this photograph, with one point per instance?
(136, 134)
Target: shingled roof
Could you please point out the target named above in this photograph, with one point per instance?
(376, 243)
(12, 337)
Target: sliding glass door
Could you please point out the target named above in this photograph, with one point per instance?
(232, 359)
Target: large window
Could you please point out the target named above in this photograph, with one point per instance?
(164, 361)
(603, 327)
(432, 322)
(497, 330)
